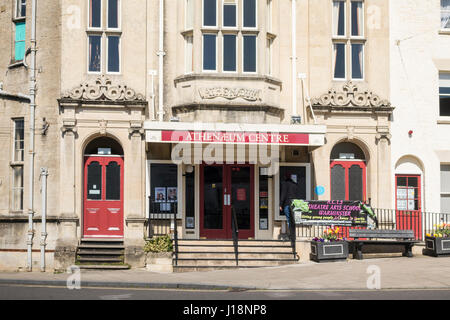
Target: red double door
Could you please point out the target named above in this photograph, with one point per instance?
(224, 188)
(103, 197)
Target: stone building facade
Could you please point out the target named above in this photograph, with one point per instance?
(192, 107)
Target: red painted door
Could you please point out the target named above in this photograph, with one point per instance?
(103, 197)
(408, 204)
(348, 182)
(224, 187)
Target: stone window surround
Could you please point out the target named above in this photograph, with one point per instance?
(348, 40)
(198, 30)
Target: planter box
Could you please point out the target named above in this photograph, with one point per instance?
(436, 247)
(328, 251)
(159, 262)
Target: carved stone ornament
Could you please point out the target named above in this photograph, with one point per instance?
(351, 95)
(102, 89)
(230, 93)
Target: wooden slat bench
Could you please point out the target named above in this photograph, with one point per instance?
(382, 238)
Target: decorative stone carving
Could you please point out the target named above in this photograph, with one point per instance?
(136, 128)
(230, 93)
(69, 125)
(351, 95)
(102, 89)
(103, 124)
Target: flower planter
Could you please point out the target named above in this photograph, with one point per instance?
(436, 247)
(328, 251)
(159, 262)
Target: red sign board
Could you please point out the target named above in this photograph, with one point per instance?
(235, 137)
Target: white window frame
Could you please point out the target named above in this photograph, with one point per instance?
(362, 61)
(217, 16)
(89, 28)
(256, 53)
(120, 54)
(16, 9)
(14, 188)
(333, 62)
(276, 188)
(256, 17)
(203, 52)
(236, 53)
(119, 16)
(345, 20)
(223, 15)
(14, 160)
(101, 53)
(179, 188)
(442, 94)
(363, 23)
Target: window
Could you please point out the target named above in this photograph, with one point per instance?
(21, 9)
(445, 14)
(102, 34)
(209, 52)
(249, 53)
(210, 13)
(190, 199)
(229, 14)
(17, 166)
(407, 192)
(445, 188)
(163, 188)
(444, 94)
(229, 53)
(348, 40)
(19, 43)
(249, 14)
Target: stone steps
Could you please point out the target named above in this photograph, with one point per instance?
(101, 254)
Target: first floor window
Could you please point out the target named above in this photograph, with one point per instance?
(19, 43)
(249, 14)
(249, 53)
(445, 188)
(21, 8)
(209, 52)
(444, 94)
(229, 13)
(19, 133)
(357, 60)
(113, 54)
(113, 14)
(339, 60)
(229, 52)
(17, 188)
(445, 14)
(95, 53)
(95, 13)
(338, 18)
(210, 13)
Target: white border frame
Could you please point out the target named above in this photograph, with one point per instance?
(13, 155)
(89, 54)
(363, 21)
(119, 16)
(88, 27)
(236, 52)
(179, 185)
(333, 59)
(107, 53)
(276, 181)
(16, 9)
(203, 52)
(203, 16)
(256, 53)
(345, 21)
(236, 5)
(363, 61)
(256, 17)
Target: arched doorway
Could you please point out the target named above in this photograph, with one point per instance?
(348, 172)
(103, 189)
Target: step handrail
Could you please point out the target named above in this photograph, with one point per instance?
(292, 235)
(235, 231)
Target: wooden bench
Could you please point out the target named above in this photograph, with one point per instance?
(383, 238)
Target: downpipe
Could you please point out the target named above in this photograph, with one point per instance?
(43, 176)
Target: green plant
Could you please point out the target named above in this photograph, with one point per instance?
(440, 231)
(159, 244)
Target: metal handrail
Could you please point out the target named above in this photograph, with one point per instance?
(175, 237)
(235, 231)
(292, 234)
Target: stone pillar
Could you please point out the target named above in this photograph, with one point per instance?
(384, 192)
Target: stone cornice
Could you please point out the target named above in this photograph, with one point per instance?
(227, 107)
(352, 97)
(221, 76)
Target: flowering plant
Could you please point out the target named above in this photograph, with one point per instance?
(441, 231)
(330, 235)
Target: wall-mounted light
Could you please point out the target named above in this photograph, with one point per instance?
(410, 133)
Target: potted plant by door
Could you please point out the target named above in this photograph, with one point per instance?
(438, 243)
(159, 254)
(329, 247)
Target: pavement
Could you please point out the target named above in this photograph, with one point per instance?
(420, 272)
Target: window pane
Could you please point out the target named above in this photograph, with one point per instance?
(17, 191)
(163, 186)
(445, 13)
(357, 61)
(445, 178)
(338, 183)
(113, 14)
(19, 140)
(95, 13)
(249, 13)
(113, 181)
(94, 181)
(357, 18)
(95, 53)
(212, 197)
(209, 52)
(21, 8)
(229, 15)
(355, 183)
(263, 201)
(401, 181)
(19, 49)
(339, 61)
(190, 200)
(229, 52)
(113, 54)
(249, 53)
(209, 13)
(338, 18)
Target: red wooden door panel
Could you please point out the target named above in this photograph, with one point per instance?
(103, 197)
(408, 203)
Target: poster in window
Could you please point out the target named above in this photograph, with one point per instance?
(160, 194)
(411, 205)
(190, 222)
(263, 224)
(401, 193)
(172, 194)
(411, 193)
(263, 203)
(402, 205)
(241, 194)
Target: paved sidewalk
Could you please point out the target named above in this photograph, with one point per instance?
(396, 273)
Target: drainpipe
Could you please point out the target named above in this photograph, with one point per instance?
(294, 58)
(44, 174)
(32, 125)
(161, 55)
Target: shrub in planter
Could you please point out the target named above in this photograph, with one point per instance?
(438, 243)
(159, 254)
(329, 247)
(159, 244)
